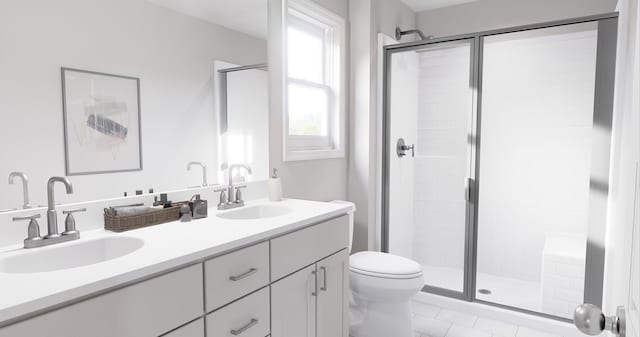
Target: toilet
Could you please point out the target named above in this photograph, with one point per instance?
(382, 286)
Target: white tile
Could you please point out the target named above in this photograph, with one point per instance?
(461, 331)
(457, 318)
(496, 327)
(430, 327)
(526, 332)
(425, 310)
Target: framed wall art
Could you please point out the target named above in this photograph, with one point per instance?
(102, 124)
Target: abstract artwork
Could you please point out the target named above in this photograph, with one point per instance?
(101, 122)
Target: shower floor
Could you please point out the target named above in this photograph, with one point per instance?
(507, 291)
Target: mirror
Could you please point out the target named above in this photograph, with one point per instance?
(244, 114)
(120, 96)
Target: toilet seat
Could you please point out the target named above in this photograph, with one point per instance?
(383, 265)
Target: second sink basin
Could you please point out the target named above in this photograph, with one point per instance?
(255, 212)
(69, 255)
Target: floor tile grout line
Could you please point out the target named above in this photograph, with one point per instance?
(448, 329)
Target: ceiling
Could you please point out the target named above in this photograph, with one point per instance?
(246, 16)
(425, 5)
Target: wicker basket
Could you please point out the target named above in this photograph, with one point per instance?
(150, 218)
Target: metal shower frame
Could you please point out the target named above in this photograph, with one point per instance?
(603, 112)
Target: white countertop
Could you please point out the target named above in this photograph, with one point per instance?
(166, 247)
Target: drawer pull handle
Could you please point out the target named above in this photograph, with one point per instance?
(324, 278)
(315, 283)
(245, 328)
(245, 275)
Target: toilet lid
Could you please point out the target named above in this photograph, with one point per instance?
(384, 265)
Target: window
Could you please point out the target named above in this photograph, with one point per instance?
(314, 82)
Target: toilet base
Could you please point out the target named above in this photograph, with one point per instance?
(381, 319)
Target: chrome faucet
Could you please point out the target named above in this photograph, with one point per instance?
(233, 197)
(25, 187)
(52, 216)
(34, 240)
(204, 171)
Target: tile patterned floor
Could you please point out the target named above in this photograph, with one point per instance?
(431, 321)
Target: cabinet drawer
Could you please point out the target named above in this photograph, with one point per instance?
(193, 329)
(234, 275)
(248, 317)
(149, 308)
(304, 247)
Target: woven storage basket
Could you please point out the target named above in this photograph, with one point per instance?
(150, 218)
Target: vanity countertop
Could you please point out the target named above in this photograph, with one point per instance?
(166, 247)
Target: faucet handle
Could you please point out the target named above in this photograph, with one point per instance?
(71, 211)
(33, 230)
(70, 221)
(239, 194)
(30, 217)
(223, 194)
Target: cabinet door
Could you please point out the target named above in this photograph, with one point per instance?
(333, 286)
(293, 305)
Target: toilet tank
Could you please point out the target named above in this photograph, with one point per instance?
(351, 219)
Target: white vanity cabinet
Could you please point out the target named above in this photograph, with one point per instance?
(234, 275)
(148, 308)
(293, 285)
(193, 329)
(311, 302)
(333, 296)
(248, 317)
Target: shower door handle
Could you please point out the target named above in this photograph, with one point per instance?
(589, 319)
(402, 148)
(468, 190)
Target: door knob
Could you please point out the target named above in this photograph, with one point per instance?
(402, 148)
(589, 319)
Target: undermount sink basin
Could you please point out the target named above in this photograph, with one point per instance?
(255, 212)
(69, 255)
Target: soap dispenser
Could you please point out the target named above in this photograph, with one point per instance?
(275, 187)
(198, 207)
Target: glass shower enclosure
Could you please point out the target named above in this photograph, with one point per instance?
(495, 175)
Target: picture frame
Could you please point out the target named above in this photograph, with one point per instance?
(102, 122)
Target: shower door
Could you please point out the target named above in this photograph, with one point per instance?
(496, 162)
(431, 100)
(544, 167)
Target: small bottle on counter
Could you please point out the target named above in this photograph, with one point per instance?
(198, 207)
(275, 187)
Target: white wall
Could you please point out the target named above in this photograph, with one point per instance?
(321, 180)
(492, 14)
(171, 53)
(368, 18)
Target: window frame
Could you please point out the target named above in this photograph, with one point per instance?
(309, 147)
